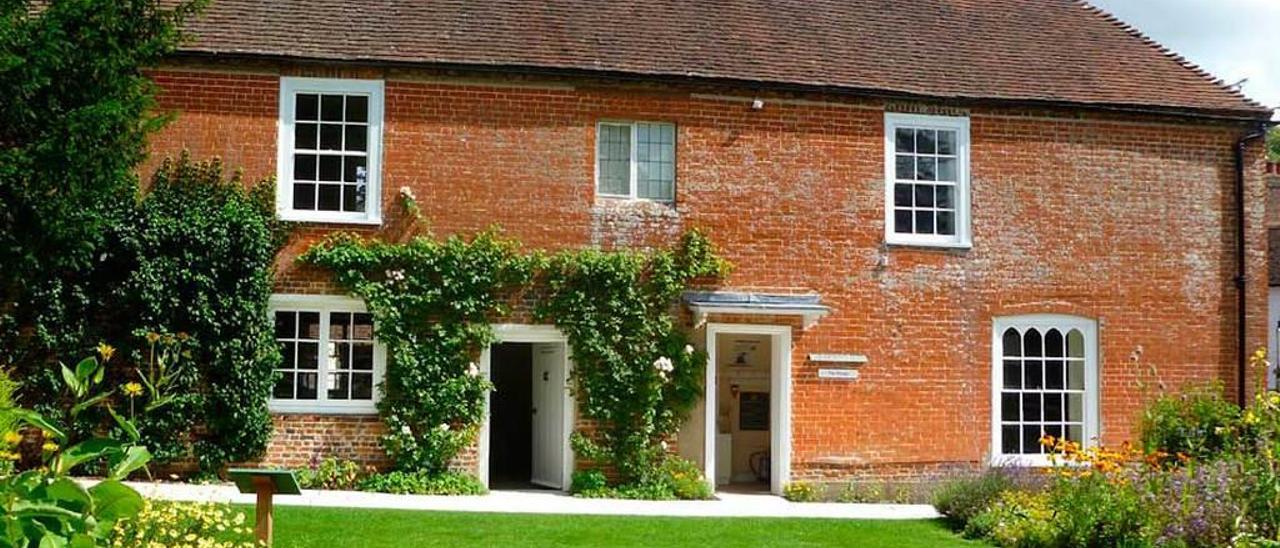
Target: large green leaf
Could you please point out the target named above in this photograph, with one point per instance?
(50, 540)
(115, 500)
(70, 494)
(85, 451)
(38, 421)
(134, 458)
(24, 508)
(80, 407)
(127, 425)
(84, 370)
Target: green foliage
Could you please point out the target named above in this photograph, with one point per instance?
(685, 480)
(635, 373)
(1016, 519)
(73, 129)
(802, 491)
(676, 478)
(202, 250)
(423, 483)
(588, 482)
(161, 523)
(431, 302)
(1194, 422)
(333, 473)
(963, 498)
(1273, 144)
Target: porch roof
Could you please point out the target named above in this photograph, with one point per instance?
(808, 305)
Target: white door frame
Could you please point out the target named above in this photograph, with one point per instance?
(779, 400)
(525, 333)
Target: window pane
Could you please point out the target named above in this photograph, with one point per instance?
(924, 222)
(655, 176)
(905, 140)
(308, 355)
(353, 198)
(304, 136)
(924, 195)
(331, 108)
(1032, 343)
(357, 138)
(339, 325)
(1075, 344)
(339, 386)
(1054, 430)
(1031, 439)
(1010, 440)
(357, 108)
(361, 386)
(330, 168)
(330, 136)
(926, 141)
(946, 142)
(906, 167)
(362, 327)
(362, 356)
(304, 196)
(945, 196)
(288, 355)
(1053, 374)
(330, 198)
(902, 195)
(1009, 407)
(304, 167)
(1075, 433)
(1075, 375)
(1053, 343)
(947, 169)
(902, 221)
(284, 387)
(614, 159)
(286, 325)
(946, 223)
(307, 386)
(1012, 374)
(1031, 407)
(307, 107)
(1075, 407)
(1053, 407)
(1033, 374)
(1012, 342)
(309, 325)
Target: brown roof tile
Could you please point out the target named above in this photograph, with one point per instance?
(1061, 51)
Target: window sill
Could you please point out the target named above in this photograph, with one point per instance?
(636, 206)
(313, 217)
(295, 408)
(926, 244)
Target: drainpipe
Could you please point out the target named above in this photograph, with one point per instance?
(1242, 350)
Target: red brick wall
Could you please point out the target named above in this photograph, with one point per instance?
(1126, 221)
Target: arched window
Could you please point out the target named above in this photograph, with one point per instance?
(1045, 383)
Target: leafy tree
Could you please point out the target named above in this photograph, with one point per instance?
(74, 117)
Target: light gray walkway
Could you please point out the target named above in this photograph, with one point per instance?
(551, 502)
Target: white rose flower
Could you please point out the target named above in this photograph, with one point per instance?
(473, 370)
(405, 430)
(444, 427)
(406, 192)
(688, 349)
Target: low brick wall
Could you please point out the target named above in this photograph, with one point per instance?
(303, 439)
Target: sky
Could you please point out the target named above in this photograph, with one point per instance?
(1232, 39)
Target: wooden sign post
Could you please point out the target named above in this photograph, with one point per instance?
(265, 483)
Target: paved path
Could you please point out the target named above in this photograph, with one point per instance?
(550, 502)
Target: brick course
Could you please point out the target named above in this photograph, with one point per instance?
(1127, 220)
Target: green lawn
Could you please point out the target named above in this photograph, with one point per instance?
(325, 527)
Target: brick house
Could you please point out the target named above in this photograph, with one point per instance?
(956, 225)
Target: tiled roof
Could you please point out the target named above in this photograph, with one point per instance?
(1058, 51)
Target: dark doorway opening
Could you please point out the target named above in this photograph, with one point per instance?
(511, 416)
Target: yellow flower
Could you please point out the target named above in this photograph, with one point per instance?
(152, 337)
(49, 447)
(106, 351)
(12, 438)
(132, 389)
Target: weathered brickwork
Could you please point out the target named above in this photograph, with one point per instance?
(1126, 220)
(303, 440)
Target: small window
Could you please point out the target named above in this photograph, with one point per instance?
(330, 131)
(636, 160)
(927, 180)
(331, 362)
(1046, 384)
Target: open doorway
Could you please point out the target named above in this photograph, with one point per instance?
(524, 440)
(743, 419)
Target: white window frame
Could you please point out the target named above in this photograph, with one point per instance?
(632, 163)
(324, 305)
(289, 88)
(962, 239)
(1091, 426)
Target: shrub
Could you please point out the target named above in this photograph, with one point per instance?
(1098, 510)
(962, 499)
(1195, 422)
(685, 480)
(184, 525)
(421, 483)
(588, 483)
(1016, 519)
(333, 473)
(802, 491)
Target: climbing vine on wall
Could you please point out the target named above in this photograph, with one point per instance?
(431, 303)
(635, 373)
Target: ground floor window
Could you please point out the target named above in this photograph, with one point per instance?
(331, 362)
(1045, 384)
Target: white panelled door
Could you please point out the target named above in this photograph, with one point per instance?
(548, 414)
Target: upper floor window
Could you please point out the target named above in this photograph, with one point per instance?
(331, 361)
(927, 180)
(636, 160)
(329, 143)
(1045, 384)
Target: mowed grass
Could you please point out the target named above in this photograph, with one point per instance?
(299, 527)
